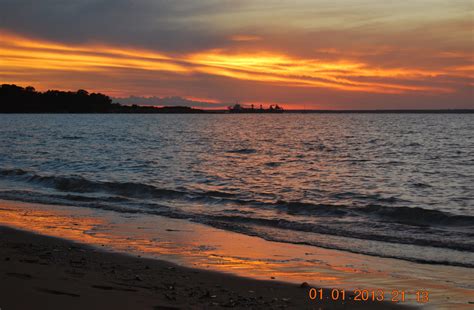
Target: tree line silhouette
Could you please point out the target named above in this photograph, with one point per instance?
(17, 99)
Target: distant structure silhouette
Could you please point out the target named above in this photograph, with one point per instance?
(239, 108)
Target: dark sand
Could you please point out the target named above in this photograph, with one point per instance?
(41, 272)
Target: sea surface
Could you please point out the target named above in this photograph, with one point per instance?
(389, 185)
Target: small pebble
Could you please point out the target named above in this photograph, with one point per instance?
(304, 285)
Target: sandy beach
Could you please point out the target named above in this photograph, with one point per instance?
(51, 273)
(236, 154)
(61, 254)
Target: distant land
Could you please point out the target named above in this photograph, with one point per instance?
(17, 99)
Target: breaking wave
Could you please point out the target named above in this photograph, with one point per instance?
(373, 221)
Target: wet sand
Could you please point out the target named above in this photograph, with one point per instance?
(41, 272)
(170, 262)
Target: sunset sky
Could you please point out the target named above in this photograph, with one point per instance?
(302, 53)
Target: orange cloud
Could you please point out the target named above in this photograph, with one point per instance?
(285, 70)
(20, 55)
(18, 52)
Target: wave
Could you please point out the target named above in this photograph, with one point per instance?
(414, 216)
(244, 222)
(121, 204)
(368, 221)
(374, 197)
(343, 231)
(72, 138)
(273, 164)
(419, 216)
(455, 260)
(79, 184)
(242, 151)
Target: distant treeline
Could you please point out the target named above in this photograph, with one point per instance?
(16, 99)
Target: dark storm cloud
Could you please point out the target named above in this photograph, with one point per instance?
(165, 25)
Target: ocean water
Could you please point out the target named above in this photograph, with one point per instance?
(389, 185)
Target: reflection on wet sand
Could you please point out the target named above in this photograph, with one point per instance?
(199, 246)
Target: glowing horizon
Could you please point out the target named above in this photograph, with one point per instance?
(261, 65)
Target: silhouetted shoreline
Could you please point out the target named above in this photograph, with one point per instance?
(17, 99)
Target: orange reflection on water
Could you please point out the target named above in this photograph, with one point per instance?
(43, 222)
(204, 247)
(218, 253)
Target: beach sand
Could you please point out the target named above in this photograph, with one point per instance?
(53, 256)
(41, 272)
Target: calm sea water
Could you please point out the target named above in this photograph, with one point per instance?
(391, 185)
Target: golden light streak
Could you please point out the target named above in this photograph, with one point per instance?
(308, 73)
(22, 42)
(24, 54)
(79, 60)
